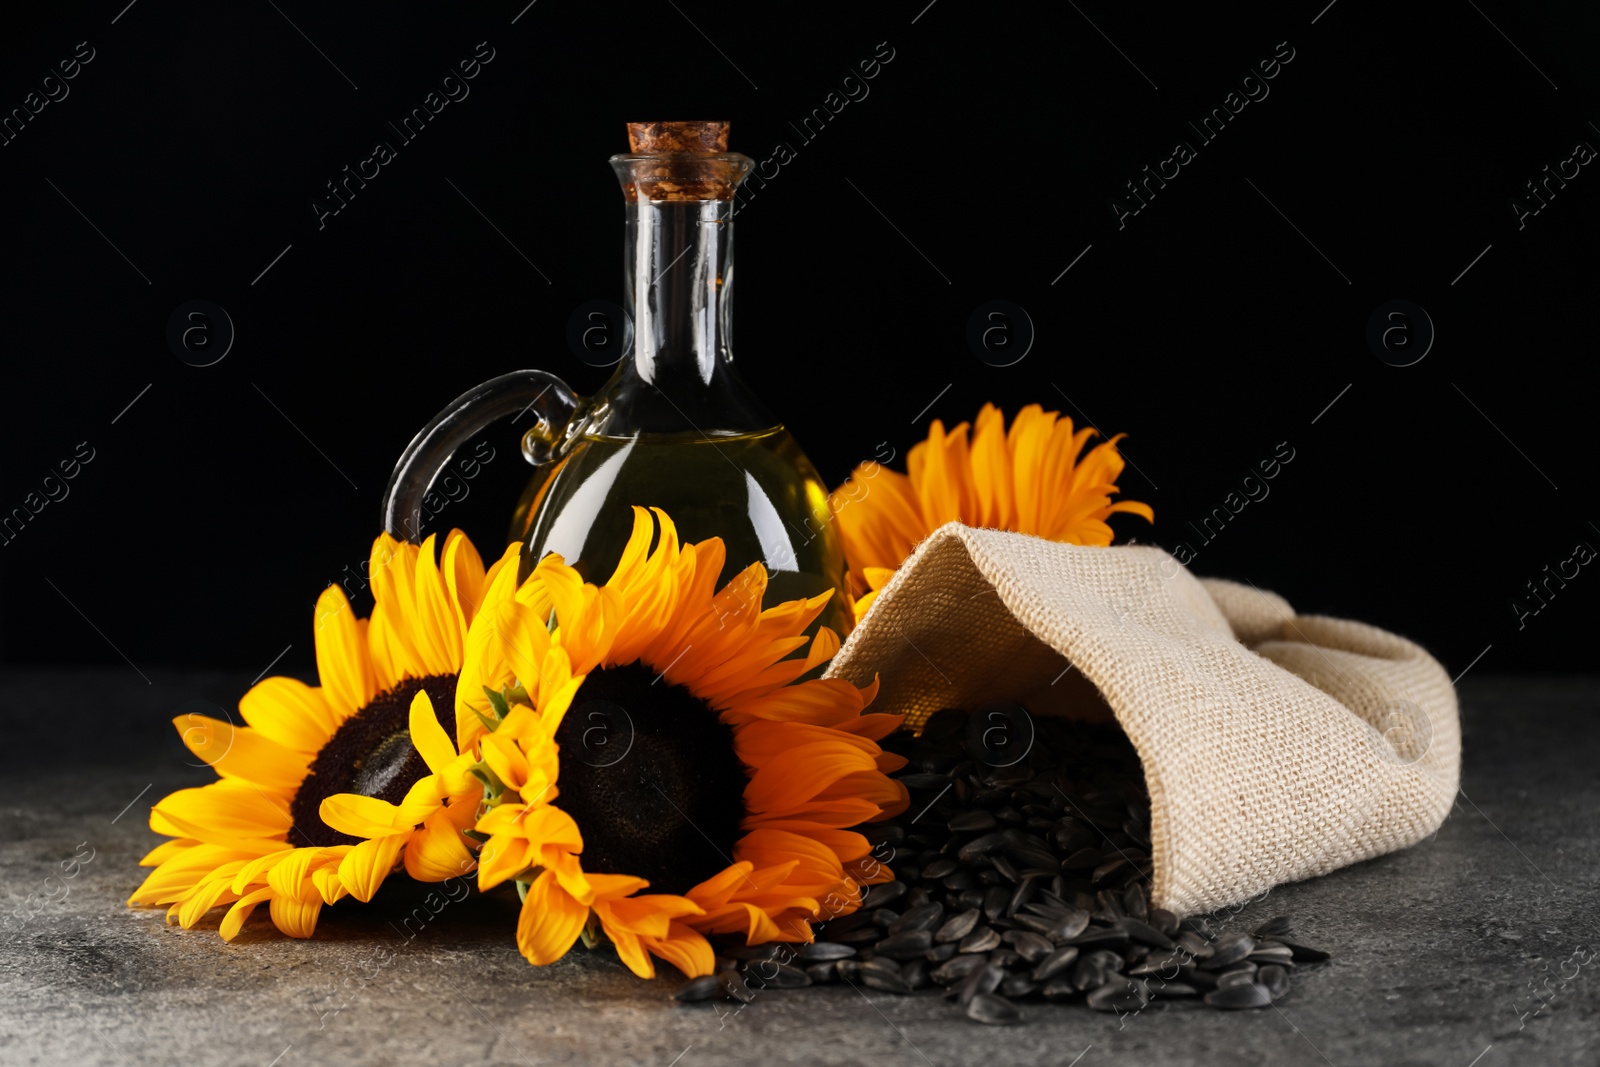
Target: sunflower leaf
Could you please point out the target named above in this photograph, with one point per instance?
(498, 703)
(522, 890)
(493, 787)
(488, 723)
(551, 625)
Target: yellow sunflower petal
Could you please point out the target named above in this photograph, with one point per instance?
(431, 742)
(436, 851)
(686, 949)
(227, 812)
(550, 921)
(296, 918)
(234, 920)
(344, 665)
(503, 856)
(242, 753)
(365, 867)
(360, 816)
(288, 711)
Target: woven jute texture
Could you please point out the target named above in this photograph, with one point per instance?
(1275, 746)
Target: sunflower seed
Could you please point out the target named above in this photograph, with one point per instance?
(1107, 869)
(1093, 970)
(982, 981)
(1240, 996)
(1146, 934)
(915, 974)
(906, 945)
(940, 953)
(1120, 995)
(1085, 859)
(1060, 989)
(1103, 935)
(960, 881)
(939, 868)
(1032, 857)
(1134, 903)
(853, 921)
(703, 988)
(925, 917)
(1004, 957)
(1275, 980)
(1272, 952)
(782, 976)
(953, 971)
(734, 985)
(1229, 949)
(982, 939)
(1033, 947)
(1303, 953)
(981, 846)
(861, 935)
(888, 893)
(1037, 923)
(1229, 979)
(885, 975)
(1173, 989)
(825, 950)
(1024, 893)
(1161, 962)
(924, 781)
(823, 973)
(1055, 963)
(1075, 923)
(1017, 985)
(1164, 920)
(993, 1009)
(959, 926)
(1273, 927)
(973, 822)
(1194, 945)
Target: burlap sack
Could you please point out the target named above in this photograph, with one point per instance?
(1275, 746)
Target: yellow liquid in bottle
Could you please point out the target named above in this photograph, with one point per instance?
(758, 492)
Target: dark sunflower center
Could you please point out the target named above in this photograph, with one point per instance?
(650, 775)
(371, 754)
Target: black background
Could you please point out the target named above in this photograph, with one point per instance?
(1221, 320)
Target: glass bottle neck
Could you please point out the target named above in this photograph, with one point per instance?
(678, 279)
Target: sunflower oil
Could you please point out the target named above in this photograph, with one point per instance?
(756, 491)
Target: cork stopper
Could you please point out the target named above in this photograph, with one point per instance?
(676, 161)
(661, 138)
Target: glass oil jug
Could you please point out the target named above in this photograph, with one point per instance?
(675, 427)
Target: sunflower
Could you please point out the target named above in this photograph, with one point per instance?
(653, 733)
(328, 789)
(1034, 480)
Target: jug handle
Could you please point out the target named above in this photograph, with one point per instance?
(463, 419)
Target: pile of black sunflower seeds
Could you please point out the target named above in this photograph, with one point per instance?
(1023, 873)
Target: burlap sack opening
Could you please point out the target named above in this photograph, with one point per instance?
(1275, 746)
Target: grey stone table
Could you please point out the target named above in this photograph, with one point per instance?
(1477, 947)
